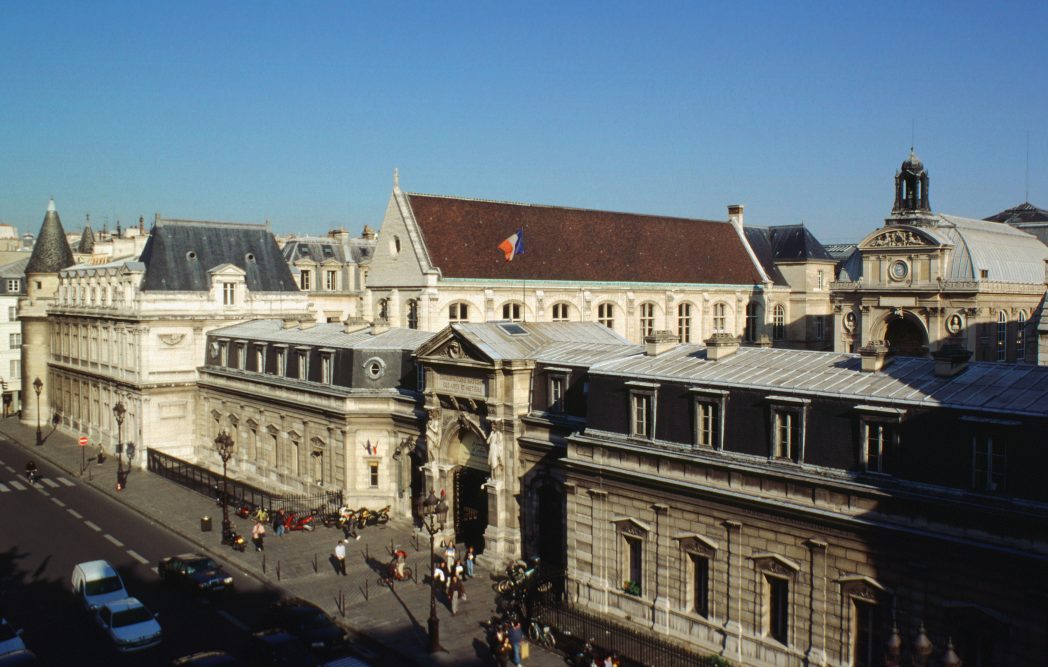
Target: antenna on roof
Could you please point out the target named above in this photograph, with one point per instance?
(1027, 199)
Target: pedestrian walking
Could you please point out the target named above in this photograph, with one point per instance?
(340, 557)
(456, 592)
(438, 574)
(471, 559)
(500, 646)
(516, 637)
(458, 570)
(278, 522)
(258, 534)
(449, 551)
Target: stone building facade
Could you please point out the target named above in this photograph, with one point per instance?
(133, 331)
(315, 406)
(925, 280)
(332, 271)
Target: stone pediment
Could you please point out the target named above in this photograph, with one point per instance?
(775, 563)
(631, 526)
(858, 585)
(695, 542)
(450, 347)
(891, 238)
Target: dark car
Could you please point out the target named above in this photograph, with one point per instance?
(206, 659)
(194, 571)
(309, 623)
(279, 647)
(20, 658)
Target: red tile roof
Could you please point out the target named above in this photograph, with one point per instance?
(462, 237)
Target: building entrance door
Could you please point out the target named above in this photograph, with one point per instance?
(471, 507)
(905, 338)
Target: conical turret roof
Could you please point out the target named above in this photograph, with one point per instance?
(51, 252)
(87, 239)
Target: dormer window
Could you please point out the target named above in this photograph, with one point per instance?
(229, 294)
(989, 463)
(307, 280)
(642, 409)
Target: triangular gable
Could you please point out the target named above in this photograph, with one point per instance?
(226, 270)
(859, 585)
(631, 526)
(775, 563)
(695, 542)
(900, 236)
(450, 346)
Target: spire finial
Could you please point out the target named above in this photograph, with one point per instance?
(51, 205)
(396, 178)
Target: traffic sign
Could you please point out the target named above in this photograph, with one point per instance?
(83, 441)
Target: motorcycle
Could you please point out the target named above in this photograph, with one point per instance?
(366, 517)
(295, 521)
(246, 510)
(235, 540)
(32, 475)
(517, 574)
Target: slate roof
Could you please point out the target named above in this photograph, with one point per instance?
(462, 238)
(1025, 212)
(569, 343)
(180, 253)
(331, 335)
(87, 240)
(51, 252)
(906, 381)
(760, 241)
(15, 269)
(796, 243)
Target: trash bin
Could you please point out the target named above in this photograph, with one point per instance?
(205, 524)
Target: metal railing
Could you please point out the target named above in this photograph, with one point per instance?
(209, 483)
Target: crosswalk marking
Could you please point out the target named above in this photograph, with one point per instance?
(50, 482)
(58, 502)
(66, 482)
(93, 526)
(18, 486)
(3, 488)
(76, 514)
(113, 540)
(232, 619)
(134, 554)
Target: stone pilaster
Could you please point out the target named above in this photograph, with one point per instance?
(816, 654)
(733, 604)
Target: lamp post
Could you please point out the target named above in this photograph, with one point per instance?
(434, 512)
(224, 444)
(38, 386)
(118, 412)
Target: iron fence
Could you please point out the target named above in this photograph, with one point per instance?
(209, 483)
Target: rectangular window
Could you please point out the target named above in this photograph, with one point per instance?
(260, 359)
(15, 340)
(12, 313)
(560, 312)
(16, 369)
(327, 368)
(307, 281)
(707, 424)
(223, 353)
(458, 312)
(641, 415)
(647, 319)
(420, 378)
(777, 608)
(556, 393)
(229, 294)
(880, 446)
(373, 473)
(820, 327)
(330, 280)
(819, 277)
(303, 365)
(633, 567)
(13, 284)
(787, 434)
(989, 463)
(281, 363)
(864, 635)
(700, 584)
(241, 356)
(684, 322)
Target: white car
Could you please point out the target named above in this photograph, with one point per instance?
(10, 639)
(130, 626)
(97, 582)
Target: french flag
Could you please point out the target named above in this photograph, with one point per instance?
(513, 246)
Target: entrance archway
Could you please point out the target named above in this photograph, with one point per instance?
(905, 337)
(471, 507)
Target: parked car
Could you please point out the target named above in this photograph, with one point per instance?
(128, 624)
(206, 659)
(195, 572)
(96, 582)
(309, 623)
(279, 647)
(10, 639)
(20, 658)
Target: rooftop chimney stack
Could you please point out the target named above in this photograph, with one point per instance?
(721, 345)
(950, 360)
(735, 215)
(659, 342)
(874, 356)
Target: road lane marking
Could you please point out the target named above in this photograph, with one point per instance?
(93, 526)
(137, 556)
(155, 570)
(18, 486)
(41, 491)
(9, 468)
(232, 619)
(113, 540)
(76, 514)
(58, 502)
(66, 482)
(4, 488)
(50, 482)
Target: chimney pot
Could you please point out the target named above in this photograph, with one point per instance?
(721, 345)
(874, 356)
(659, 342)
(735, 214)
(951, 359)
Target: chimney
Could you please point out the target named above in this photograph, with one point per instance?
(660, 342)
(306, 324)
(369, 233)
(290, 324)
(721, 345)
(762, 341)
(379, 326)
(874, 356)
(735, 215)
(950, 360)
(354, 324)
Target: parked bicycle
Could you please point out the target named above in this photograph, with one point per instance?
(541, 634)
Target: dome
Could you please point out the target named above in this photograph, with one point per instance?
(912, 164)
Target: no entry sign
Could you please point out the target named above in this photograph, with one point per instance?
(83, 441)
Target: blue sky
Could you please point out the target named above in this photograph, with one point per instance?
(297, 112)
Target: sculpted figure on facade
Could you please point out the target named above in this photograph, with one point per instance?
(495, 450)
(433, 432)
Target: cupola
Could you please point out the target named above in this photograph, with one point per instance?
(911, 187)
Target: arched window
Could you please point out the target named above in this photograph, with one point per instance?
(606, 315)
(458, 312)
(1002, 336)
(752, 313)
(647, 319)
(512, 312)
(383, 309)
(1020, 337)
(720, 317)
(684, 322)
(778, 322)
(413, 314)
(560, 312)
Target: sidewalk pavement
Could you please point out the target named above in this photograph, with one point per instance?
(299, 563)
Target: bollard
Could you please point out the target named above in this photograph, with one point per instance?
(278, 570)
(315, 568)
(263, 563)
(341, 603)
(414, 571)
(367, 552)
(392, 548)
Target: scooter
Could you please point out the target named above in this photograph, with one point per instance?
(32, 475)
(296, 522)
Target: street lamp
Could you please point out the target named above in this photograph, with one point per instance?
(38, 386)
(434, 512)
(224, 443)
(119, 411)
